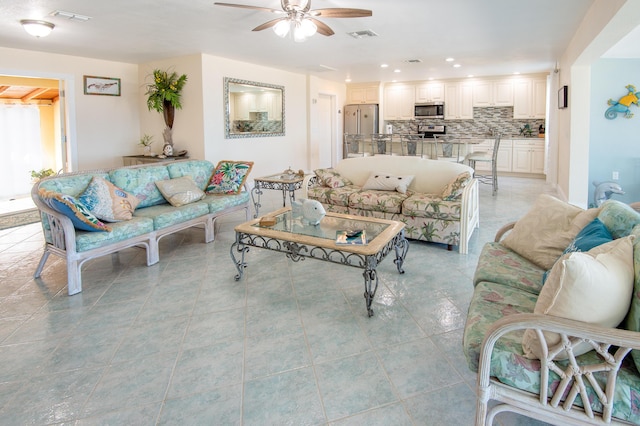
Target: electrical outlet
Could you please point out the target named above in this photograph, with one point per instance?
(615, 175)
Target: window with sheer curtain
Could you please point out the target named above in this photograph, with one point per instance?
(21, 148)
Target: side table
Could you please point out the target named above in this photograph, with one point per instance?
(283, 182)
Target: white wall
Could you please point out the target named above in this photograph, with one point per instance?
(102, 128)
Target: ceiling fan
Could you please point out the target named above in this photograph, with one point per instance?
(300, 19)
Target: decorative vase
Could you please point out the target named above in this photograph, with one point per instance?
(147, 150)
(168, 113)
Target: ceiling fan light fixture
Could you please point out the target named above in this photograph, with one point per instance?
(282, 28)
(308, 27)
(36, 27)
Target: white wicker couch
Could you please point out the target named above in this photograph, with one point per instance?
(153, 219)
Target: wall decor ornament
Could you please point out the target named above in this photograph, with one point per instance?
(101, 86)
(623, 104)
(163, 95)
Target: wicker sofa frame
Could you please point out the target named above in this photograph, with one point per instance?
(61, 235)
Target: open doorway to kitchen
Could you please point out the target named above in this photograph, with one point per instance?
(31, 135)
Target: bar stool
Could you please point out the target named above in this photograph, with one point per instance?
(412, 145)
(381, 144)
(353, 145)
(490, 157)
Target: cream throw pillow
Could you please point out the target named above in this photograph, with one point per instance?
(547, 229)
(180, 191)
(595, 287)
(387, 182)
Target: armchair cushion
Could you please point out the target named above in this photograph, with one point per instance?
(594, 287)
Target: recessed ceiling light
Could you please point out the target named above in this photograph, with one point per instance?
(470, 76)
(384, 65)
(516, 73)
(348, 80)
(430, 78)
(397, 70)
(449, 59)
(457, 65)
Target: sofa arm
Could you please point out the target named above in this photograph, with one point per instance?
(309, 181)
(62, 231)
(502, 231)
(572, 333)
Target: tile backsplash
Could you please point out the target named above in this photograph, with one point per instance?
(485, 121)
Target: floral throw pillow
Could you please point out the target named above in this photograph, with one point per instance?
(454, 189)
(108, 202)
(79, 214)
(228, 177)
(331, 178)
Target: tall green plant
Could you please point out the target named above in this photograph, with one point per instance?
(165, 87)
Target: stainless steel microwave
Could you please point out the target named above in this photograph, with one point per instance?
(429, 109)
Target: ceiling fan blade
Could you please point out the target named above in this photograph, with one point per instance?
(269, 24)
(322, 27)
(337, 12)
(246, 6)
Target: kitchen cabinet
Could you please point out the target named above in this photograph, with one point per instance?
(490, 93)
(504, 160)
(429, 92)
(529, 98)
(363, 94)
(399, 102)
(528, 156)
(241, 106)
(458, 104)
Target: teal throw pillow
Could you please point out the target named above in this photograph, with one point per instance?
(592, 235)
(79, 214)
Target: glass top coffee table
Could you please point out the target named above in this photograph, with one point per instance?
(299, 241)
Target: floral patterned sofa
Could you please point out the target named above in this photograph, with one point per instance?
(437, 200)
(554, 320)
(89, 214)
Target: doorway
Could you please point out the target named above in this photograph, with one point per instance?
(31, 111)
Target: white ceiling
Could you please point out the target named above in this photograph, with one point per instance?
(487, 37)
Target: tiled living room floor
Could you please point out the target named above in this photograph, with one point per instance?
(182, 343)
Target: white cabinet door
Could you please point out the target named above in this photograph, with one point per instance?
(429, 92)
(489, 93)
(366, 94)
(528, 156)
(242, 106)
(458, 103)
(399, 102)
(503, 93)
(529, 98)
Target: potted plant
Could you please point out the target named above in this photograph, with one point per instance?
(526, 131)
(145, 142)
(163, 95)
(41, 174)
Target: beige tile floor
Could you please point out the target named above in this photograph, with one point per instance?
(181, 342)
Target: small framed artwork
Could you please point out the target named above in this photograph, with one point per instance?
(563, 97)
(101, 86)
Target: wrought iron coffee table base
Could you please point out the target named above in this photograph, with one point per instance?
(298, 252)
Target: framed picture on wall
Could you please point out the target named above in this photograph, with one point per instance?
(101, 86)
(563, 97)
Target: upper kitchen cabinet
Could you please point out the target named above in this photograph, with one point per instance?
(458, 101)
(399, 102)
(363, 93)
(430, 92)
(490, 93)
(529, 98)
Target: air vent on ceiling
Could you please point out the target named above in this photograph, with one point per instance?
(70, 16)
(363, 34)
(413, 61)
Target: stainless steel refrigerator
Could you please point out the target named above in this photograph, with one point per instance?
(361, 119)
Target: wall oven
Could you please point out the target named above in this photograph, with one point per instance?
(430, 110)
